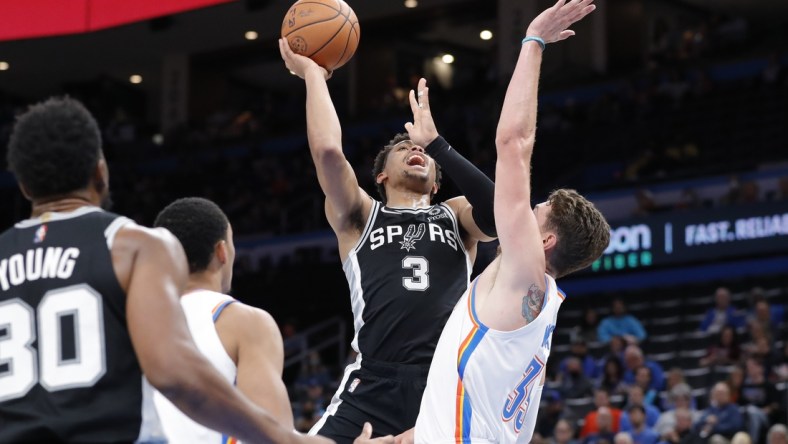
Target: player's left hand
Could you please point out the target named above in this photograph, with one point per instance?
(422, 130)
(406, 437)
(366, 437)
(552, 24)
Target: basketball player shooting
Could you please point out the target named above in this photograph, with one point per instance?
(406, 260)
(486, 378)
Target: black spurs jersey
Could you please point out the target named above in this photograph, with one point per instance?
(405, 275)
(68, 372)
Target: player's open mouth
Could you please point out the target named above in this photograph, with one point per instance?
(416, 160)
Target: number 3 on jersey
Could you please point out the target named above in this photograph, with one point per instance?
(420, 279)
(58, 366)
(517, 405)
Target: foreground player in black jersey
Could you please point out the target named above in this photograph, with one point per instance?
(406, 260)
(89, 303)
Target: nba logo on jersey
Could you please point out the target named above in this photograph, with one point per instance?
(411, 236)
(353, 385)
(41, 234)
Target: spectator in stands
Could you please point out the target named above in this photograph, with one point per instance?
(579, 350)
(722, 314)
(587, 330)
(781, 369)
(675, 376)
(636, 398)
(553, 411)
(734, 381)
(680, 398)
(621, 324)
(763, 316)
(604, 434)
(640, 431)
(591, 421)
(680, 430)
(759, 398)
(778, 434)
(574, 384)
(564, 433)
(721, 417)
(633, 359)
(623, 438)
(725, 351)
(742, 438)
(643, 379)
(612, 380)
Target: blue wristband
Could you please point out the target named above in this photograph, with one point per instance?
(533, 38)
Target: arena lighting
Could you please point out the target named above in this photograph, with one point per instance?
(4, 66)
(411, 3)
(447, 59)
(250, 35)
(135, 79)
(158, 139)
(486, 35)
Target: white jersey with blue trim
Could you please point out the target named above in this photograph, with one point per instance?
(202, 309)
(485, 385)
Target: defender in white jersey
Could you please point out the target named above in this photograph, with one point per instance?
(486, 377)
(242, 342)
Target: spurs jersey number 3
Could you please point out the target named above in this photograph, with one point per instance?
(405, 275)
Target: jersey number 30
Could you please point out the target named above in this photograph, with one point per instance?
(420, 280)
(60, 364)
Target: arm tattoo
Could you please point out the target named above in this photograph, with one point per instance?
(532, 303)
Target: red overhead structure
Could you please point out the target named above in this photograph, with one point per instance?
(21, 19)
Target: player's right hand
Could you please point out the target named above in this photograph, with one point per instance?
(366, 437)
(552, 24)
(299, 64)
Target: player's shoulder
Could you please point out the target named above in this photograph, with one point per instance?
(251, 320)
(141, 238)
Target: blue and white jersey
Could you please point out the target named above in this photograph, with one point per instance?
(485, 385)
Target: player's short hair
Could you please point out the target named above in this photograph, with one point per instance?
(198, 224)
(54, 147)
(380, 164)
(583, 233)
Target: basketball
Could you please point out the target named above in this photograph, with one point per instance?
(326, 31)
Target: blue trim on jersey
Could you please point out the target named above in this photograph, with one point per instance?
(221, 308)
(474, 316)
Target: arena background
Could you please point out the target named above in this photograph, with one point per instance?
(672, 115)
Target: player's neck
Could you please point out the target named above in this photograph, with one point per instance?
(407, 199)
(61, 204)
(206, 280)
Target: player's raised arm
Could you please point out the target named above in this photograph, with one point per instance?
(344, 198)
(164, 347)
(518, 230)
(475, 208)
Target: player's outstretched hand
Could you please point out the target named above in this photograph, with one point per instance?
(422, 130)
(552, 24)
(366, 437)
(297, 63)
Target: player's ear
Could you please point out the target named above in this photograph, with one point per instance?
(24, 191)
(220, 251)
(381, 177)
(434, 189)
(101, 175)
(549, 240)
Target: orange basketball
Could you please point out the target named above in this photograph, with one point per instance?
(326, 31)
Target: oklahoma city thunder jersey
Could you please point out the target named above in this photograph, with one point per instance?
(68, 371)
(202, 309)
(404, 275)
(484, 385)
